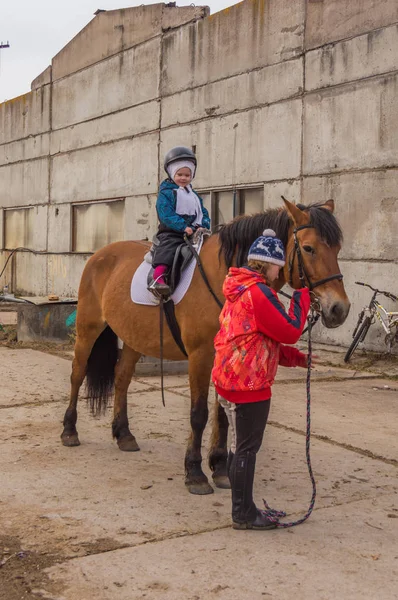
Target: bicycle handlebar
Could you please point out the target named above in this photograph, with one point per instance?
(387, 294)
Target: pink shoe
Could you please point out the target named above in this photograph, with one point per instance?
(159, 284)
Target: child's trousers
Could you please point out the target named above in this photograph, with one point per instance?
(169, 240)
(251, 419)
(251, 423)
(247, 421)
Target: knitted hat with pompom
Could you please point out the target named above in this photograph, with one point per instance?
(268, 248)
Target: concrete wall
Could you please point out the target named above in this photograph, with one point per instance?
(297, 96)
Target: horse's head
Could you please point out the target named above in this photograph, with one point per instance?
(314, 242)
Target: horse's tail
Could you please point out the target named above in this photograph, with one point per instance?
(100, 375)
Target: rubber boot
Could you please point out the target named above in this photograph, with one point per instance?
(245, 514)
(160, 284)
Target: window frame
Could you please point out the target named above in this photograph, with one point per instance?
(74, 205)
(6, 210)
(238, 201)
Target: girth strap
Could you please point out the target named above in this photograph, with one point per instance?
(172, 322)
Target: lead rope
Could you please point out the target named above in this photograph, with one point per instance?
(161, 309)
(275, 515)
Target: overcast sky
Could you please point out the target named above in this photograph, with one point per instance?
(38, 29)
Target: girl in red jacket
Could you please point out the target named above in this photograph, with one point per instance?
(249, 347)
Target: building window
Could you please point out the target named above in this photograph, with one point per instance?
(97, 224)
(224, 208)
(206, 197)
(18, 228)
(251, 201)
(224, 205)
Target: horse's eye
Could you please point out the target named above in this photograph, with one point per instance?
(309, 249)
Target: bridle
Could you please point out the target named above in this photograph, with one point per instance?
(303, 275)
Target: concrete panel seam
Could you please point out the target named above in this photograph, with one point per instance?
(49, 173)
(302, 141)
(369, 260)
(159, 35)
(350, 170)
(174, 125)
(244, 72)
(109, 114)
(22, 206)
(352, 82)
(160, 107)
(78, 202)
(160, 97)
(27, 137)
(233, 112)
(177, 27)
(108, 143)
(247, 185)
(26, 160)
(99, 201)
(347, 39)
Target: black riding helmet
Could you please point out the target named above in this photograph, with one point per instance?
(179, 153)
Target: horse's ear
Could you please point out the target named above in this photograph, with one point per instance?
(297, 215)
(329, 204)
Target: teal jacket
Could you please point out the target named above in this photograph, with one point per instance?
(166, 209)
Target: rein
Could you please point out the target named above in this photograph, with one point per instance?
(161, 314)
(201, 269)
(300, 264)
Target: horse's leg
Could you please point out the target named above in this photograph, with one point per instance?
(200, 364)
(123, 373)
(83, 346)
(218, 447)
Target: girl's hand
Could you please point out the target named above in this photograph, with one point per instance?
(304, 361)
(188, 230)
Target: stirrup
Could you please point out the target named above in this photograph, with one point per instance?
(160, 290)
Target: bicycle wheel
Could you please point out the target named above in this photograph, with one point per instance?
(359, 337)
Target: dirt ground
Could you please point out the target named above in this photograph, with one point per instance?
(94, 522)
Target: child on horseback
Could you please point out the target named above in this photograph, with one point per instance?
(249, 346)
(180, 211)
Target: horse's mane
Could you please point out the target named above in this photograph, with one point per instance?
(241, 232)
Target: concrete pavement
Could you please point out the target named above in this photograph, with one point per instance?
(94, 522)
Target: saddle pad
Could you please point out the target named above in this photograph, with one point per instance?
(140, 293)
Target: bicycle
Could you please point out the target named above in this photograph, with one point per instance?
(368, 316)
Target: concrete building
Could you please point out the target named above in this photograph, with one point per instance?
(293, 97)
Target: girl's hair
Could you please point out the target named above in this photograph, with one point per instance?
(259, 266)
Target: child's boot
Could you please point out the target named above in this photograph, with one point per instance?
(159, 283)
(245, 514)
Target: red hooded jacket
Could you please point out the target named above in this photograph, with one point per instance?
(254, 328)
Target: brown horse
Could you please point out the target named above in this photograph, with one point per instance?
(312, 238)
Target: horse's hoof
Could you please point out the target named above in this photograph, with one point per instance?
(128, 444)
(222, 482)
(200, 489)
(70, 440)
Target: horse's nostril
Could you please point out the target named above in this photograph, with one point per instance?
(338, 311)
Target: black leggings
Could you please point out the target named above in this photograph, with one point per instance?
(251, 419)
